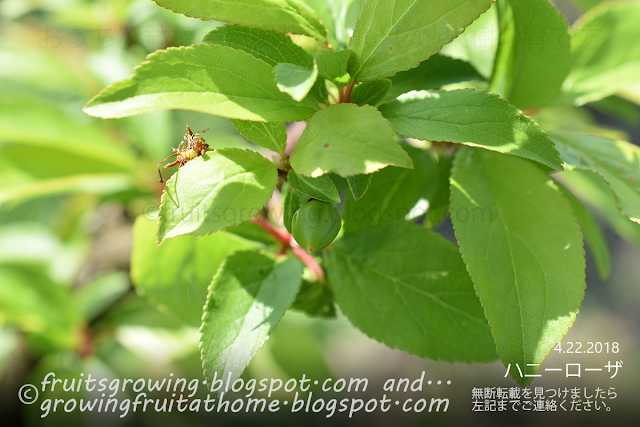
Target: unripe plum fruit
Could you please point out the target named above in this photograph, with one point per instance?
(315, 225)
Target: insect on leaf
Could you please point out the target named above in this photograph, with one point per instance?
(221, 189)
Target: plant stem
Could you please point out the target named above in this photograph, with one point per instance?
(285, 239)
(309, 261)
(287, 243)
(349, 90)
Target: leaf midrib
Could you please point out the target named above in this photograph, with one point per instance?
(409, 286)
(364, 61)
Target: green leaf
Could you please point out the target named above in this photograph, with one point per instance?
(396, 35)
(297, 349)
(395, 194)
(206, 78)
(333, 64)
(437, 71)
(605, 51)
(591, 188)
(592, 233)
(271, 135)
(293, 200)
(220, 189)
(46, 149)
(321, 188)
(97, 296)
(285, 16)
(295, 80)
(29, 126)
(247, 298)
(617, 162)
(534, 55)
(348, 140)
(324, 12)
(619, 108)
(27, 242)
(338, 16)
(30, 301)
(370, 93)
(315, 299)
(175, 275)
(340, 182)
(22, 189)
(136, 311)
(407, 287)
(252, 232)
(319, 91)
(471, 118)
(359, 184)
(55, 162)
(478, 44)
(439, 201)
(523, 249)
(272, 48)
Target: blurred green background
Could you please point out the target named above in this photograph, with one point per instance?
(71, 187)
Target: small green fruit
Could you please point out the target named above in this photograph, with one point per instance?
(315, 225)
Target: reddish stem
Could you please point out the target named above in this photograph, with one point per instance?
(309, 261)
(349, 90)
(266, 226)
(287, 243)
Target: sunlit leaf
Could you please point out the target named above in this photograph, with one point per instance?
(396, 35)
(523, 250)
(210, 79)
(348, 140)
(617, 162)
(473, 118)
(295, 80)
(605, 51)
(247, 298)
(285, 16)
(534, 55)
(221, 189)
(321, 188)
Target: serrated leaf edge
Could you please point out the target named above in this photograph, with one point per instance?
(210, 292)
(526, 380)
(147, 61)
(393, 134)
(437, 359)
(518, 113)
(439, 49)
(244, 25)
(175, 175)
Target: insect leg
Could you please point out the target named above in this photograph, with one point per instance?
(160, 173)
